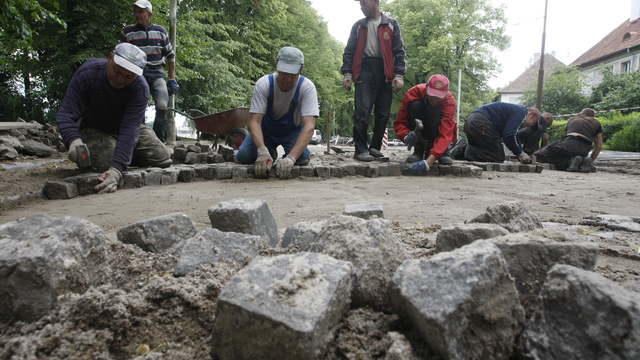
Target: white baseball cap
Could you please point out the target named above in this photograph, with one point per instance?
(290, 60)
(130, 57)
(143, 4)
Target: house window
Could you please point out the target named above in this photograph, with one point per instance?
(625, 66)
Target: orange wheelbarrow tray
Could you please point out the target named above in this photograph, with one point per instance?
(228, 124)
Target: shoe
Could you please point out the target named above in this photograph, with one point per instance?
(445, 160)
(363, 156)
(586, 166)
(417, 155)
(414, 158)
(302, 162)
(162, 164)
(456, 150)
(574, 164)
(375, 153)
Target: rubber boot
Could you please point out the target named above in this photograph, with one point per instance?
(446, 159)
(574, 164)
(160, 124)
(418, 154)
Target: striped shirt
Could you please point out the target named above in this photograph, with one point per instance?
(154, 41)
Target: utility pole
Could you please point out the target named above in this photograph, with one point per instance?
(171, 120)
(541, 72)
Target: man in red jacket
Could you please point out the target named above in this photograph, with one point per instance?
(434, 105)
(374, 58)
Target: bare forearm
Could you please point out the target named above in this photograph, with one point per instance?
(172, 70)
(304, 138)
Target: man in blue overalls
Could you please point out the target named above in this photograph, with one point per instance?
(284, 108)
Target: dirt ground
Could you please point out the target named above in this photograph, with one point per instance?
(145, 310)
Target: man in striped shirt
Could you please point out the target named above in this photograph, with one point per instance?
(154, 41)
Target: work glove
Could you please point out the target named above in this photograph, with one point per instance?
(346, 81)
(73, 153)
(524, 158)
(263, 162)
(416, 169)
(172, 86)
(284, 166)
(411, 139)
(109, 181)
(398, 83)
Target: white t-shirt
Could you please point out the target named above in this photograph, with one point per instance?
(372, 48)
(307, 99)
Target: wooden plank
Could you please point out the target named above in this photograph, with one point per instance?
(8, 125)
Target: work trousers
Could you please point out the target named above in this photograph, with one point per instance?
(483, 142)
(149, 149)
(373, 92)
(559, 152)
(530, 139)
(431, 117)
(157, 81)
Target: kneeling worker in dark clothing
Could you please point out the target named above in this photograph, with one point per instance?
(533, 140)
(571, 152)
(103, 111)
(434, 106)
(489, 125)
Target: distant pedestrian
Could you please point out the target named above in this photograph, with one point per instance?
(374, 58)
(571, 152)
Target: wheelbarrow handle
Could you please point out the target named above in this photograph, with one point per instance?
(186, 114)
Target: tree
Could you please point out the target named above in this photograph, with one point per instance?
(443, 36)
(617, 91)
(562, 92)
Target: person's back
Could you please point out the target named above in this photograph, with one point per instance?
(506, 117)
(586, 126)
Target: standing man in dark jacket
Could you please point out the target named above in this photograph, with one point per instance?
(154, 41)
(375, 59)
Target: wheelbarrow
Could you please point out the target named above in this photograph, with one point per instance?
(228, 125)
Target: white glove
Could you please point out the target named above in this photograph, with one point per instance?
(346, 81)
(109, 181)
(284, 166)
(524, 158)
(263, 162)
(398, 83)
(73, 154)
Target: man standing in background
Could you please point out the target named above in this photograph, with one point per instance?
(374, 58)
(154, 41)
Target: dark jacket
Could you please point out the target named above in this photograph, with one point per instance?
(391, 45)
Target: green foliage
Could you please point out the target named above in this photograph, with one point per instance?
(18, 19)
(443, 36)
(562, 92)
(557, 130)
(615, 122)
(627, 139)
(617, 91)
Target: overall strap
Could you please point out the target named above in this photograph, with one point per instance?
(294, 101)
(270, 97)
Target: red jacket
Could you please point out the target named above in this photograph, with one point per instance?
(391, 46)
(448, 124)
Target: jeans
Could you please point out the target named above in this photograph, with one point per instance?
(157, 81)
(248, 153)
